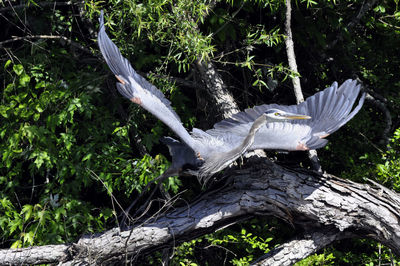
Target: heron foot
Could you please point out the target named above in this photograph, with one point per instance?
(199, 156)
(199, 160)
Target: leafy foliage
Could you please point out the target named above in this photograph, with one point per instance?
(60, 149)
(238, 246)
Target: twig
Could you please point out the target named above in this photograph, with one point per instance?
(42, 4)
(52, 37)
(388, 118)
(367, 5)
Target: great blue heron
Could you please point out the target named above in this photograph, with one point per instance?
(295, 127)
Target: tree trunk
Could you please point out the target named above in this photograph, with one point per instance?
(327, 207)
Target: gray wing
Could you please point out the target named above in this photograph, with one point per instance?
(330, 109)
(138, 89)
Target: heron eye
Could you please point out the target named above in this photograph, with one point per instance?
(276, 114)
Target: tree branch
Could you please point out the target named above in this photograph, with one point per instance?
(388, 118)
(366, 6)
(41, 4)
(298, 249)
(61, 38)
(223, 99)
(312, 154)
(305, 199)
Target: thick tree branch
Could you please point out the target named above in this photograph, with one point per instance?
(223, 100)
(304, 199)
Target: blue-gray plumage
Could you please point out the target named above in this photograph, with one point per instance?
(295, 127)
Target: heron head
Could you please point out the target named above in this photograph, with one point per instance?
(277, 115)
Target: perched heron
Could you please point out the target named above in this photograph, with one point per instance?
(295, 127)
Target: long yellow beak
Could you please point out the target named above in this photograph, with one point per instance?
(297, 117)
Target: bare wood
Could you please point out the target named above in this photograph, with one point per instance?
(307, 200)
(34, 255)
(291, 55)
(312, 154)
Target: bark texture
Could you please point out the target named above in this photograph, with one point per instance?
(223, 101)
(308, 200)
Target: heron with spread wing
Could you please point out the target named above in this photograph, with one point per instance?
(295, 127)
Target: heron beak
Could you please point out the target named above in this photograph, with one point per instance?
(296, 116)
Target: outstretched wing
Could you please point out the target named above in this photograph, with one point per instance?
(138, 89)
(330, 109)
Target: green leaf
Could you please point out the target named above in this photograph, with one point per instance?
(27, 211)
(28, 237)
(7, 63)
(24, 80)
(17, 244)
(18, 69)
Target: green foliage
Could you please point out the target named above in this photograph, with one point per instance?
(318, 259)
(57, 221)
(238, 247)
(388, 172)
(60, 142)
(365, 252)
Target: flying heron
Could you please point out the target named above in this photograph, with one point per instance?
(295, 127)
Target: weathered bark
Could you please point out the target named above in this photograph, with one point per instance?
(34, 255)
(308, 200)
(223, 101)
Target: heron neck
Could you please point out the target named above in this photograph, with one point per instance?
(249, 140)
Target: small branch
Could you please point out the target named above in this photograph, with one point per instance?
(312, 154)
(388, 24)
(230, 20)
(366, 6)
(52, 37)
(388, 118)
(298, 249)
(42, 4)
(179, 81)
(291, 55)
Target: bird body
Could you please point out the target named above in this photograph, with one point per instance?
(293, 127)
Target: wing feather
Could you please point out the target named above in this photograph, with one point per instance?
(330, 109)
(136, 88)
